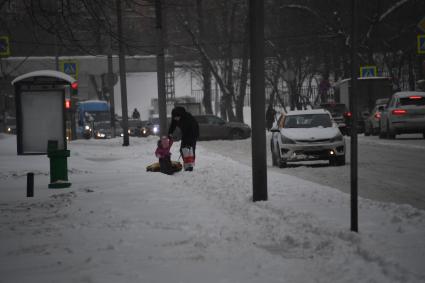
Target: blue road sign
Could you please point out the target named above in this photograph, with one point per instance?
(368, 71)
(421, 44)
(70, 68)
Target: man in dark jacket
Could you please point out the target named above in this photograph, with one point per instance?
(189, 130)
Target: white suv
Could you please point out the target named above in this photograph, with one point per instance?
(307, 135)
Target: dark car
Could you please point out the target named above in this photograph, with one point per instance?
(340, 115)
(212, 127)
(373, 121)
(135, 127)
(152, 127)
(10, 125)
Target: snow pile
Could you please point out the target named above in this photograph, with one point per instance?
(119, 223)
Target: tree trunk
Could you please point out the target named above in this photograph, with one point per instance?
(240, 99)
(206, 71)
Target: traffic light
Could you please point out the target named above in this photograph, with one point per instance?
(74, 88)
(67, 104)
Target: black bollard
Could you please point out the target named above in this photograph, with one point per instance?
(30, 184)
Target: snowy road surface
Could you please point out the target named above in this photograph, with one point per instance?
(119, 223)
(389, 170)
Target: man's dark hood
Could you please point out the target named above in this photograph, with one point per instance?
(178, 112)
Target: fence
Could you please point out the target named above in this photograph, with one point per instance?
(308, 96)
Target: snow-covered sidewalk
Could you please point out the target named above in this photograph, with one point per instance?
(119, 223)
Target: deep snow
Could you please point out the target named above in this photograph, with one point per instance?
(119, 223)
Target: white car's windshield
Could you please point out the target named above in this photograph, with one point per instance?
(308, 121)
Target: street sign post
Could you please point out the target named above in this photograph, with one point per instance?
(4, 46)
(69, 67)
(421, 44)
(368, 71)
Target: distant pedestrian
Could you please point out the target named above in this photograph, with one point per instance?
(190, 133)
(136, 114)
(270, 117)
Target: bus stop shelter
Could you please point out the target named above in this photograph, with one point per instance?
(40, 119)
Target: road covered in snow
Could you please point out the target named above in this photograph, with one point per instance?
(389, 170)
(119, 223)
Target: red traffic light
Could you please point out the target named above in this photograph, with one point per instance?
(74, 85)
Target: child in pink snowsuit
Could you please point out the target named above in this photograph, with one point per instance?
(164, 155)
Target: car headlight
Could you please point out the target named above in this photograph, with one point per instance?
(286, 140)
(338, 137)
(100, 135)
(155, 129)
(87, 128)
(9, 130)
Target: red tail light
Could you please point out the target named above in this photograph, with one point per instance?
(67, 104)
(348, 114)
(399, 112)
(377, 115)
(415, 97)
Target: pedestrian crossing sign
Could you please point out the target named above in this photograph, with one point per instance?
(421, 44)
(70, 68)
(4, 46)
(368, 71)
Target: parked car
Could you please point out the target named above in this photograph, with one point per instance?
(340, 115)
(153, 124)
(103, 130)
(307, 135)
(152, 127)
(405, 113)
(374, 118)
(10, 125)
(145, 130)
(135, 127)
(212, 127)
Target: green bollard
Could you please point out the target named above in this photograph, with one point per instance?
(58, 165)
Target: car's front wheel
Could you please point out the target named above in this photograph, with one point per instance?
(390, 134)
(274, 163)
(276, 159)
(236, 134)
(382, 133)
(337, 160)
(367, 129)
(282, 164)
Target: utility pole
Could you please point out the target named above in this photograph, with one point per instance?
(259, 161)
(353, 106)
(123, 79)
(56, 35)
(160, 63)
(111, 87)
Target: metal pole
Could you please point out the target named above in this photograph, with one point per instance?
(353, 106)
(162, 100)
(30, 184)
(259, 161)
(111, 88)
(123, 79)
